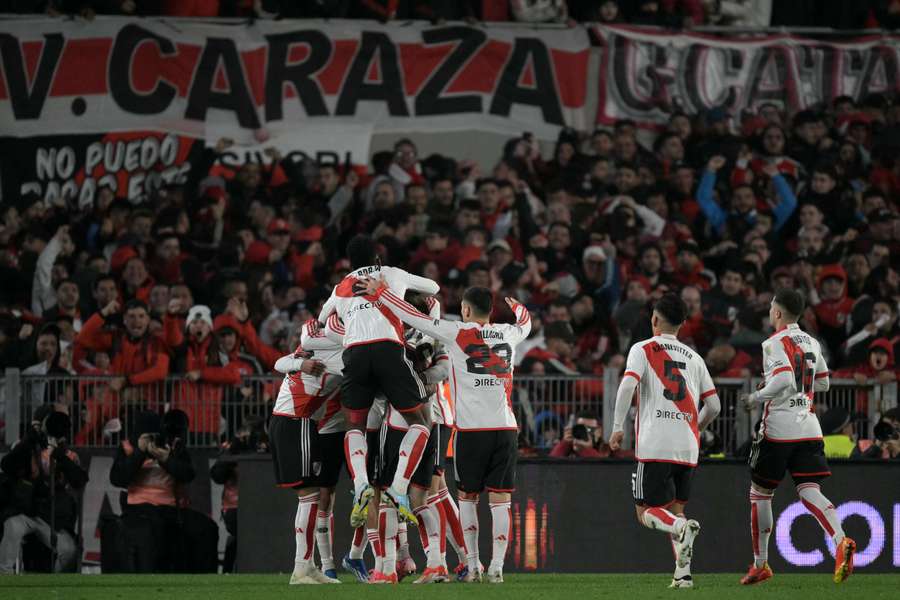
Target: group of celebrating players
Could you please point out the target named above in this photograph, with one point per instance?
(380, 381)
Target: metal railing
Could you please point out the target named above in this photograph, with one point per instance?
(544, 405)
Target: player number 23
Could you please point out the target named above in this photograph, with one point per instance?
(482, 361)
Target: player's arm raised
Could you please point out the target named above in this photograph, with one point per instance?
(635, 367)
(523, 320)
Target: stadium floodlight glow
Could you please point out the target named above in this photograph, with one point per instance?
(872, 551)
(864, 556)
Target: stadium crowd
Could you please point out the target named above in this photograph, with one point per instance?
(720, 208)
(838, 14)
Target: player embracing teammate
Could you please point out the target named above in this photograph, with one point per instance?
(481, 377)
(375, 362)
(671, 380)
(790, 438)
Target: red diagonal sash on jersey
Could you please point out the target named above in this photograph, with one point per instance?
(795, 353)
(468, 340)
(345, 288)
(656, 358)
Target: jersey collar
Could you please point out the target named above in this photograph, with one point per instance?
(668, 336)
(788, 327)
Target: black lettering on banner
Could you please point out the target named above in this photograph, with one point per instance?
(675, 377)
(804, 370)
(693, 67)
(429, 100)
(237, 99)
(389, 89)
(778, 59)
(127, 41)
(484, 360)
(299, 75)
(27, 104)
(623, 76)
(543, 94)
(882, 62)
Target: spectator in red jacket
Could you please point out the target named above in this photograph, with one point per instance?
(724, 361)
(556, 357)
(584, 439)
(695, 331)
(831, 304)
(137, 281)
(274, 248)
(206, 370)
(137, 359)
(688, 267)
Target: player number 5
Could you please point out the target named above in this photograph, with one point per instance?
(675, 377)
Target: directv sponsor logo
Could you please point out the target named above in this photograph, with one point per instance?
(674, 415)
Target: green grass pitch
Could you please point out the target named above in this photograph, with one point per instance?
(517, 587)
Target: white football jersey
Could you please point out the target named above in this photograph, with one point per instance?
(366, 321)
(481, 362)
(790, 415)
(672, 380)
(329, 416)
(303, 395)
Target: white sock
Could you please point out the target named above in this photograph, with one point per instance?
(468, 516)
(402, 541)
(374, 537)
(822, 509)
(304, 530)
(663, 520)
(760, 525)
(430, 523)
(411, 448)
(501, 525)
(323, 539)
(360, 541)
(355, 451)
(388, 517)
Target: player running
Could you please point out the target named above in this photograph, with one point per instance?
(297, 451)
(789, 437)
(481, 374)
(375, 362)
(672, 380)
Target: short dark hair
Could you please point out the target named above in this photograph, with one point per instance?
(135, 303)
(672, 308)
(361, 251)
(481, 299)
(791, 301)
(470, 204)
(588, 414)
(102, 278)
(60, 283)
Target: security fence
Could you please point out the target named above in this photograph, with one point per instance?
(100, 407)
